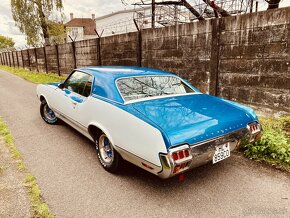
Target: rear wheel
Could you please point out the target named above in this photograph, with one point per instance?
(47, 114)
(108, 157)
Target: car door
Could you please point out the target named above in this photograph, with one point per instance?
(74, 93)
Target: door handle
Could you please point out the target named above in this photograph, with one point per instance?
(74, 103)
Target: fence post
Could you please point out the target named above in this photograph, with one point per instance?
(22, 59)
(99, 51)
(5, 59)
(36, 63)
(139, 49)
(10, 61)
(45, 61)
(214, 58)
(98, 41)
(29, 64)
(57, 59)
(74, 54)
(13, 59)
(17, 58)
(1, 59)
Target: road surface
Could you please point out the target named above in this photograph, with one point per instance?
(74, 184)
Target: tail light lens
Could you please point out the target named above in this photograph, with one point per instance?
(254, 128)
(181, 157)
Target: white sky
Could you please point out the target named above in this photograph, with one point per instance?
(81, 8)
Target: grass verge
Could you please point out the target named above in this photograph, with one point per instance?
(274, 145)
(35, 77)
(40, 208)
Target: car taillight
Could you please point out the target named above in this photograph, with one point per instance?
(180, 158)
(254, 128)
(179, 155)
(180, 167)
(175, 156)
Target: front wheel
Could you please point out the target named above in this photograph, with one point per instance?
(47, 114)
(107, 155)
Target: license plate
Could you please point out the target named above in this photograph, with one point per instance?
(221, 152)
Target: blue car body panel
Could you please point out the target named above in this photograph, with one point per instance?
(194, 118)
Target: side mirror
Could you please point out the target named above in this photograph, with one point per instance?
(61, 86)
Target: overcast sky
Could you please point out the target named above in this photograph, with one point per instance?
(80, 8)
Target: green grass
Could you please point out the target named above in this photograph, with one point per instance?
(39, 206)
(35, 77)
(274, 145)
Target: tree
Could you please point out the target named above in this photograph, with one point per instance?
(273, 4)
(6, 42)
(56, 31)
(32, 17)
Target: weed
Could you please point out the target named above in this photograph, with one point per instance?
(274, 145)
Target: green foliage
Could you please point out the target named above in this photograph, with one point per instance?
(32, 17)
(6, 42)
(35, 77)
(274, 145)
(56, 31)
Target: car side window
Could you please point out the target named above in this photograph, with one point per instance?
(80, 83)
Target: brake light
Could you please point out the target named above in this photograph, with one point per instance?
(175, 156)
(179, 155)
(181, 158)
(254, 128)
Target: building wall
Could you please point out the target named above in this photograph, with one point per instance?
(77, 33)
(119, 23)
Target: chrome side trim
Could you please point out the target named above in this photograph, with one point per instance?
(136, 160)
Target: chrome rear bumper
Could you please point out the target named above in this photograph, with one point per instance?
(203, 152)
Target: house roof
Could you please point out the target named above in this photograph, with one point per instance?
(88, 23)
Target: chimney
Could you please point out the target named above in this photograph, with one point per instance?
(71, 16)
(93, 16)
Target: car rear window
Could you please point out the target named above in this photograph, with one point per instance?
(133, 88)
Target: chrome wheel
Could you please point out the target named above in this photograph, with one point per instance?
(106, 150)
(48, 113)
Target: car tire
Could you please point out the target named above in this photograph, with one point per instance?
(107, 155)
(47, 114)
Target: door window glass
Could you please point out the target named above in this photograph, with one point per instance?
(80, 83)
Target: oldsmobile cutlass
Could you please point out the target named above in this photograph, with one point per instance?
(151, 118)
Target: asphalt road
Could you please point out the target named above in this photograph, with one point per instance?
(75, 185)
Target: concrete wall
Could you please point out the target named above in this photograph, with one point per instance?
(243, 58)
(254, 63)
(119, 49)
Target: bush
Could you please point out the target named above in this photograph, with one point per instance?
(274, 145)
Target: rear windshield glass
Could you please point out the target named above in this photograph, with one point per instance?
(133, 88)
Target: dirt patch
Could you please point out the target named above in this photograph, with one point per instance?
(14, 199)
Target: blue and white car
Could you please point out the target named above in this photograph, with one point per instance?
(151, 118)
